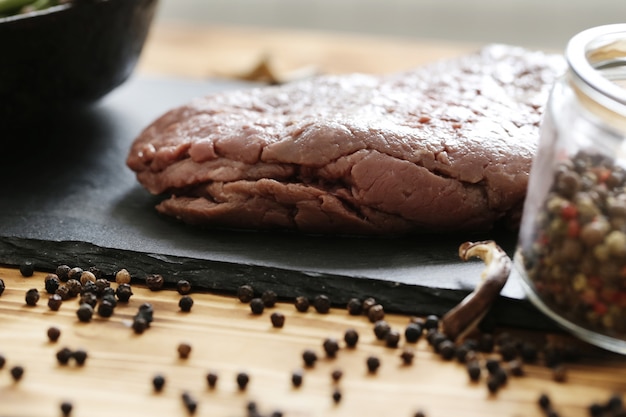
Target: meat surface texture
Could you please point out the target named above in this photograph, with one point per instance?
(442, 148)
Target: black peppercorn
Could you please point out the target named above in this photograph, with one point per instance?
(109, 296)
(54, 302)
(63, 292)
(419, 413)
(376, 313)
(302, 304)
(431, 322)
(211, 379)
(27, 268)
(355, 307)
(309, 357)
(473, 370)
(123, 292)
(373, 363)
(528, 351)
(146, 311)
(3, 361)
(185, 303)
(437, 339)
(381, 328)
(501, 376)
(88, 298)
(101, 285)
(296, 378)
(158, 382)
(392, 338)
(336, 395)
(63, 356)
(183, 287)
(66, 408)
(367, 304)
(486, 343)
(351, 337)
(516, 368)
(257, 306)
(447, 349)
(595, 410)
(74, 286)
(105, 308)
(544, 402)
(493, 385)
(331, 347)
(269, 298)
(51, 282)
(615, 404)
(242, 380)
(17, 372)
(492, 365)
(2, 286)
(154, 282)
(245, 293)
(278, 319)
(96, 271)
(89, 288)
(32, 297)
(413, 332)
(62, 272)
(276, 413)
(336, 375)
(53, 333)
(189, 402)
(407, 356)
(321, 304)
(84, 312)
(508, 351)
(73, 273)
(184, 350)
(559, 373)
(80, 356)
(139, 325)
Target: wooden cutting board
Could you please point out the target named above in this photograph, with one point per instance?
(69, 198)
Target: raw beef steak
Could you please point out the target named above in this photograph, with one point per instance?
(446, 147)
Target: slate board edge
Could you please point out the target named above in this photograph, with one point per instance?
(226, 277)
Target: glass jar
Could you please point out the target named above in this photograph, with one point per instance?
(572, 243)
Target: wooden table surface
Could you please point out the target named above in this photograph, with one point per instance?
(227, 339)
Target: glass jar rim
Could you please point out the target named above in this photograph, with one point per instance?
(600, 48)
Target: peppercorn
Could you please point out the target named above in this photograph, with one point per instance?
(32, 297)
(351, 337)
(89, 288)
(447, 349)
(123, 293)
(139, 324)
(73, 273)
(381, 328)
(431, 322)
(183, 287)
(84, 312)
(407, 356)
(331, 347)
(492, 365)
(302, 304)
(109, 296)
(80, 356)
(296, 378)
(615, 404)
(62, 271)
(211, 379)
(516, 368)
(559, 373)
(354, 306)
(88, 298)
(101, 285)
(486, 343)
(64, 355)
(278, 319)
(17, 372)
(309, 357)
(3, 361)
(321, 304)
(74, 286)
(105, 308)
(596, 410)
(122, 277)
(63, 292)
(373, 363)
(500, 376)
(66, 408)
(392, 338)
(257, 306)
(54, 302)
(508, 351)
(242, 380)
(368, 303)
(413, 332)
(53, 333)
(184, 350)
(437, 339)
(189, 402)
(2, 286)
(473, 370)
(276, 413)
(158, 382)
(146, 311)
(269, 298)
(87, 276)
(52, 282)
(27, 268)
(245, 293)
(336, 395)
(419, 413)
(544, 401)
(528, 352)
(376, 313)
(493, 385)
(155, 282)
(336, 375)
(185, 303)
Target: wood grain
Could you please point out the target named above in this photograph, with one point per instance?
(227, 338)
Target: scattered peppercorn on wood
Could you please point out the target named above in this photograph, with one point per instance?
(231, 341)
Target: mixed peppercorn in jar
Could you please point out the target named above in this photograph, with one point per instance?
(572, 243)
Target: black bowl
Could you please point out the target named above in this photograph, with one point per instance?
(69, 56)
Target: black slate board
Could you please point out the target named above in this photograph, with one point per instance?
(67, 197)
